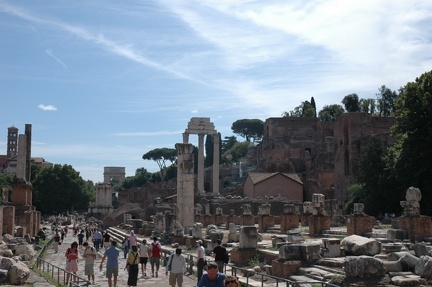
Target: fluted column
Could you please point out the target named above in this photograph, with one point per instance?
(201, 163)
(216, 164)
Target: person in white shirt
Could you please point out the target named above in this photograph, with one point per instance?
(176, 266)
(143, 251)
(89, 255)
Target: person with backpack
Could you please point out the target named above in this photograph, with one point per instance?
(155, 251)
(132, 266)
(89, 255)
(220, 255)
(176, 266)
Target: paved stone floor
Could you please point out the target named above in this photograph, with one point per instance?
(59, 259)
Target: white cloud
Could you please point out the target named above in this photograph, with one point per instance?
(194, 111)
(47, 108)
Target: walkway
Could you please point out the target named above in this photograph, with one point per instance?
(59, 259)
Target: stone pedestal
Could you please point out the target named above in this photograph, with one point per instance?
(284, 269)
(289, 221)
(247, 220)
(417, 227)
(242, 256)
(232, 219)
(264, 222)
(331, 247)
(359, 224)
(318, 223)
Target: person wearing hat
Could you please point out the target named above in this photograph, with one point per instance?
(200, 261)
(213, 277)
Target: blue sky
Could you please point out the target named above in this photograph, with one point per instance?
(104, 82)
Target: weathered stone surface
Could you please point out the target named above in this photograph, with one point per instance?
(3, 276)
(420, 249)
(364, 266)
(18, 273)
(7, 238)
(396, 234)
(397, 255)
(393, 266)
(304, 251)
(359, 245)
(408, 262)
(6, 263)
(408, 280)
(423, 267)
(25, 249)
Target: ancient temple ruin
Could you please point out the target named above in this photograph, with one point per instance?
(185, 169)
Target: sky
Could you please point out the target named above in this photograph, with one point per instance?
(104, 82)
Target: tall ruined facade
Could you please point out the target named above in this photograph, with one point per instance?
(323, 154)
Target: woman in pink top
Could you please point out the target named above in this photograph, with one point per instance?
(132, 239)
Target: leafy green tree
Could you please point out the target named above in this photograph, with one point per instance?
(377, 179)
(6, 180)
(313, 106)
(330, 113)
(161, 156)
(139, 179)
(237, 151)
(367, 106)
(413, 152)
(209, 151)
(351, 103)
(251, 129)
(304, 110)
(60, 188)
(386, 101)
(227, 143)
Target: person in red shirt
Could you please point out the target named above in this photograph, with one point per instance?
(72, 260)
(155, 250)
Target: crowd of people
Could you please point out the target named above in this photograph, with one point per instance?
(137, 254)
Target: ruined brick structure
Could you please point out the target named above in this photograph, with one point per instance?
(323, 154)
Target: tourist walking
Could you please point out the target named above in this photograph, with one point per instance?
(106, 239)
(156, 253)
(132, 266)
(112, 265)
(144, 253)
(125, 246)
(176, 266)
(80, 238)
(97, 239)
(200, 261)
(71, 260)
(219, 254)
(213, 277)
(89, 255)
(57, 239)
(132, 239)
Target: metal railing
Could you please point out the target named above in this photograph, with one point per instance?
(264, 278)
(56, 273)
(59, 274)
